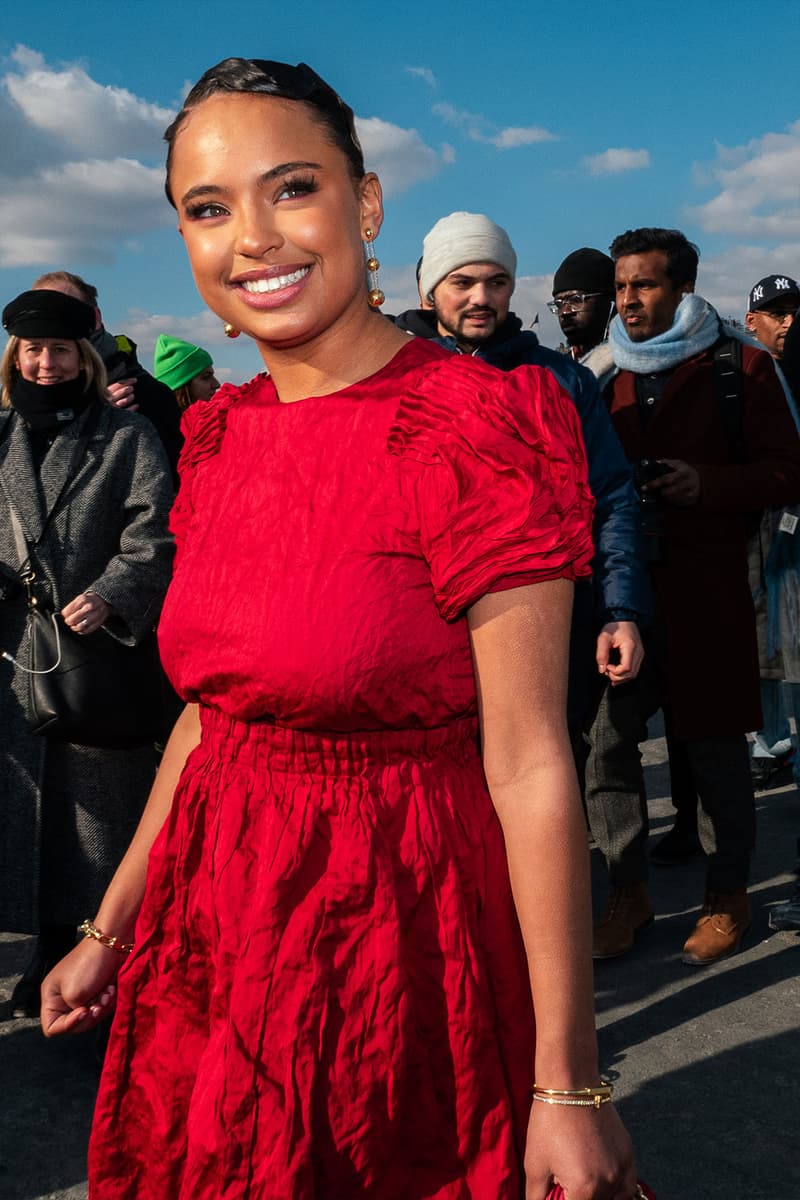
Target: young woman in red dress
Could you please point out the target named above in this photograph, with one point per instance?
(343, 921)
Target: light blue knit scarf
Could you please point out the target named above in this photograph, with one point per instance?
(695, 327)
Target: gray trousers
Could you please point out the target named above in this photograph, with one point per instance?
(616, 802)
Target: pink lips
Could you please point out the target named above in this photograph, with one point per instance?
(272, 287)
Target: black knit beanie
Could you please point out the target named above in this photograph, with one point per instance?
(585, 270)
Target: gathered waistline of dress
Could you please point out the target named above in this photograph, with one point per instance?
(253, 740)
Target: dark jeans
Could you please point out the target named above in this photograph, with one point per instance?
(616, 803)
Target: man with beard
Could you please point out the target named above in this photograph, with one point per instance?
(467, 275)
(583, 301)
(703, 468)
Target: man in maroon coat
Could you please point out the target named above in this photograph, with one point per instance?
(703, 469)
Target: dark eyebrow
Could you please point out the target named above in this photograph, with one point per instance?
(211, 189)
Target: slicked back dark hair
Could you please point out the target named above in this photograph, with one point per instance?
(261, 76)
(682, 255)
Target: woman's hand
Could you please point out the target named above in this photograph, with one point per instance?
(79, 991)
(586, 1150)
(86, 613)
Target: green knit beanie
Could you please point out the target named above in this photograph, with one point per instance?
(176, 363)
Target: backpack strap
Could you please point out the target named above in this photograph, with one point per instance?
(729, 386)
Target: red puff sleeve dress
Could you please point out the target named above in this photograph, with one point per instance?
(329, 998)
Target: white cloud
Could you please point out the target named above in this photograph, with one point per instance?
(78, 211)
(527, 135)
(399, 156)
(424, 73)
(479, 128)
(725, 279)
(472, 124)
(26, 58)
(86, 116)
(81, 172)
(614, 161)
(759, 188)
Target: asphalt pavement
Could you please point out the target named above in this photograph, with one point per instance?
(706, 1061)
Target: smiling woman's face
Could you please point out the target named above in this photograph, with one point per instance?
(48, 360)
(272, 218)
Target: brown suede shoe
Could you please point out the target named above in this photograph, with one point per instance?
(628, 911)
(722, 924)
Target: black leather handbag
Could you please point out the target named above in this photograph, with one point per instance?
(87, 689)
(90, 689)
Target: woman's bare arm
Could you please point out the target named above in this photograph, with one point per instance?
(78, 989)
(520, 641)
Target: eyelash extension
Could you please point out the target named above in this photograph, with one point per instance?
(303, 185)
(194, 211)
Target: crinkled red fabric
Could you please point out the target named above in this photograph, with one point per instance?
(328, 999)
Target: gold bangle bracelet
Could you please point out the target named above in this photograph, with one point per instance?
(574, 1097)
(593, 1101)
(90, 930)
(605, 1089)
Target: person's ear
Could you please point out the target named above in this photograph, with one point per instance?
(371, 203)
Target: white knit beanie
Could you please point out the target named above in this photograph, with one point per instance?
(464, 238)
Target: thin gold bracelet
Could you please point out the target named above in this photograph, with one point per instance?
(90, 930)
(588, 1097)
(590, 1101)
(604, 1089)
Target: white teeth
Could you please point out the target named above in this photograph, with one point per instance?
(275, 283)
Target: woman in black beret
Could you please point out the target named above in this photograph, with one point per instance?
(84, 498)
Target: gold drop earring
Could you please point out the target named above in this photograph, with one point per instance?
(230, 330)
(375, 296)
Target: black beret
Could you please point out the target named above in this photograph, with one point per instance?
(585, 270)
(43, 313)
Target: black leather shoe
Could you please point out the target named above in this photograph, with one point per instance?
(676, 846)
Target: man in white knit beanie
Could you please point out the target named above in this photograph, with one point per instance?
(468, 273)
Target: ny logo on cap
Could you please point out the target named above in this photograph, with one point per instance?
(782, 282)
(758, 292)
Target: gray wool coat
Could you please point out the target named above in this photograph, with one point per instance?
(68, 812)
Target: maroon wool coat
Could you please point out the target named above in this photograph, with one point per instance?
(701, 589)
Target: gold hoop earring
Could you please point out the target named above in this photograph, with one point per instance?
(375, 295)
(230, 330)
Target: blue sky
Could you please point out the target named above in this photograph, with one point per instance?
(567, 124)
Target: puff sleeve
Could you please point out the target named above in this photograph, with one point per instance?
(501, 485)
